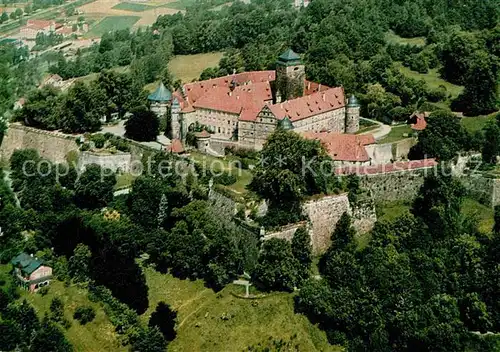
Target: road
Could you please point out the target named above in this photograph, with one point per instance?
(381, 132)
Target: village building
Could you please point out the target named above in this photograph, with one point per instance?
(244, 109)
(301, 3)
(33, 27)
(52, 80)
(418, 121)
(30, 272)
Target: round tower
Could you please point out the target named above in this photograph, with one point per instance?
(352, 115)
(160, 100)
(175, 114)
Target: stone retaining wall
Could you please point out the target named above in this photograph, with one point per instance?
(53, 146)
(116, 162)
(323, 214)
(483, 189)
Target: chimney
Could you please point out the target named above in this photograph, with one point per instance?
(324, 96)
(308, 85)
(230, 93)
(319, 88)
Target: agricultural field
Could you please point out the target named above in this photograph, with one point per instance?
(98, 335)
(112, 23)
(129, 6)
(201, 326)
(146, 12)
(189, 67)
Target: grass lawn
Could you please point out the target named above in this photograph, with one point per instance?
(483, 214)
(201, 328)
(112, 23)
(128, 6)
(98, 335)
(244, 177)
(363, 129)
(189, 67)
(433, 80)
(124, 180)
(393, 38)
(397, 133)
(389, 211)
(476, 123)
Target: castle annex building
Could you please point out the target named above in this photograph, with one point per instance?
(246, 108)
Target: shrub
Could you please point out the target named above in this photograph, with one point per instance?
(99, 140)
(44, 290)
(84, 314)
(225, 179)
(84, 147)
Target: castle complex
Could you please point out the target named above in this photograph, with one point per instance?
(246, 108)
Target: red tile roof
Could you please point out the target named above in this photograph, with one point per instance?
(418, 119)
(344, 147)
(253, 92)
(385, 168)
(176, 147)
(313, 87)
(40, 24)
(314, 104)
(195, 90)
(202, 134)
(64, 30)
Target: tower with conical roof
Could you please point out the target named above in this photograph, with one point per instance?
(160, 100)
(285, 124)
(290, 74)
(352, 115)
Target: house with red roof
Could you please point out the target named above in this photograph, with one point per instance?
(33, 27)
(418, 121)
(247, 107)
(345, 149)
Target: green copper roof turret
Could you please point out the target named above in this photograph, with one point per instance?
(161, 94)
(285, 124)
(353, 102)
(289, 57)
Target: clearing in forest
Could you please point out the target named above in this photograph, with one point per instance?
(189, 67)
(98, 335)
(209, 321)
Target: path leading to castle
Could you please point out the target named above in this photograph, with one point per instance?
(381, 132)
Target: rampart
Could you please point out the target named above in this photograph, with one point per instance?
(116, 162)
(485, 190)
(390, 182)
(323, 214)
(53, 146)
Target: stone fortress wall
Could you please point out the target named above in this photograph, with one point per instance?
(393, 186)
(323, 214)
(53, 146)
(116, 162)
